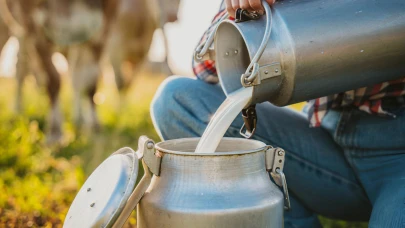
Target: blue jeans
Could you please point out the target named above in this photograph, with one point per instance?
(351, 168)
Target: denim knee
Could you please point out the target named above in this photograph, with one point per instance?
(162, 108)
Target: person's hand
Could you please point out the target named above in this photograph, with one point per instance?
(250, 5)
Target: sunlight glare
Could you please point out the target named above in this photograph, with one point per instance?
(99, 98)
(60, 63)
(183, 35)
(8, 58)
(157, 52)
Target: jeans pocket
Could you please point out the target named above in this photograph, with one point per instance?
(367, 132)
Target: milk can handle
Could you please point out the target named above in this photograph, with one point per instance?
(253, 69)
(202, 49)
(135, 197)
(275, 158)
(151, 166)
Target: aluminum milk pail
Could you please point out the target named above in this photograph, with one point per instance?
(180, 188)
(312, 49)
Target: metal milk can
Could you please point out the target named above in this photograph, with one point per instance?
(302, 50)
(180, 188)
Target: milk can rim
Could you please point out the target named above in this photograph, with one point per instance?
(236, 26)
(262, 147)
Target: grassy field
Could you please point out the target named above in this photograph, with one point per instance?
(37, 181)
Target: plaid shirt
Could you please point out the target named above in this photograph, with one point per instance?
(368, 99)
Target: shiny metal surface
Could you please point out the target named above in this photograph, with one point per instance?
(135, 197)
(146, 150)
(323, 47)
(104, 194)
(180, 188)
(151, 165)
(201, 52)
(252, 70)
(230, 188)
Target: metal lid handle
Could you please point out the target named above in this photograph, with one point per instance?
(253, 69)
(203, 48)
(151, 166)
(135, 197)
(275, 158)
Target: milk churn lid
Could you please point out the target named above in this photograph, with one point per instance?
(103, 196)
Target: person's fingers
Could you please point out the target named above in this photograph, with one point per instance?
(251, 5)
(256, 5)
(244, 4)
(235, 6)
(229, 8)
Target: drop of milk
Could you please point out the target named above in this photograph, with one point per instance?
(223, 118)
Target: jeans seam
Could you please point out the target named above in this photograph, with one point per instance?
(351, 136)
(325, 171)
(340, 126)
(340, 138)
(350, 159)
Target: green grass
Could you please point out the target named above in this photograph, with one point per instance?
(38, 182)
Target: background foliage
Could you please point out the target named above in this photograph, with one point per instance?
(38, 181)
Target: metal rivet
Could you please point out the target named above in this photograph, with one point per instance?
(89, 189)
(276, 70)
(92, 205)
(226, 53)
(266, 72)
(280, 153)
(150, 145)
(236, 51)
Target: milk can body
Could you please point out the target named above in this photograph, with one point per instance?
(222, 189)
(318, 47)
(180, 188)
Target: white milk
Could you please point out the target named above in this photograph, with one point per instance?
(222, 119)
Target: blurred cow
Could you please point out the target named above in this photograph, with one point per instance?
(81, 29)
(130, 41)
(168, 11)
(9, 26)
(44, 25)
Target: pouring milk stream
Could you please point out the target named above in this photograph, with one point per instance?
(222, 119)
(235, 101)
